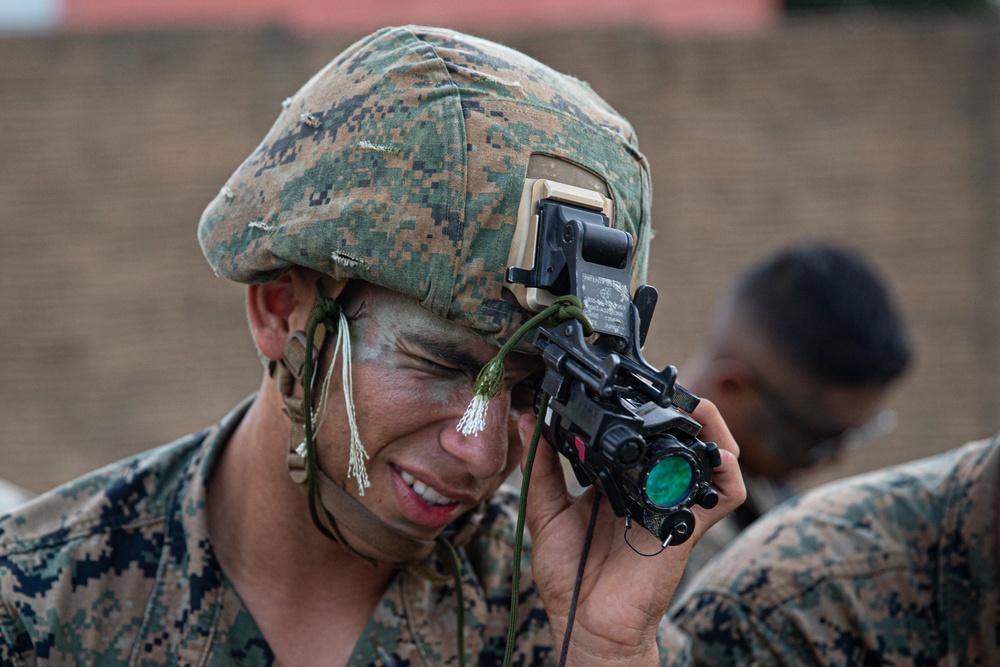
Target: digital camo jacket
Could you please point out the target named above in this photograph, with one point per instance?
(763, 495)
(896, 567)
(117, 569)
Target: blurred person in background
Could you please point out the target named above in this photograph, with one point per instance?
(800, 359)
(897, 567)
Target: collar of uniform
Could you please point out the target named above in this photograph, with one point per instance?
(420, 616)
(970, 598)
(185, 604)
(415, 623)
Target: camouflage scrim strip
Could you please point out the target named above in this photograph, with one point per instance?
(402, 163)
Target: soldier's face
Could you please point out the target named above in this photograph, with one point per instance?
(413, 374)
(796, 422)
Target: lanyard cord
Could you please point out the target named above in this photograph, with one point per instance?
(519, 542)
(487, 385)
(519, 532)
(579, 575)
(456, 570)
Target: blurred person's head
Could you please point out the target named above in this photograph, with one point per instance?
(801, 356)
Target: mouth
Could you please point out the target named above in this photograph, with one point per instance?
(427, 494)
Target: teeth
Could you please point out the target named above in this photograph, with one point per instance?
(426, 493)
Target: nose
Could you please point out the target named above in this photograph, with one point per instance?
(486, 453)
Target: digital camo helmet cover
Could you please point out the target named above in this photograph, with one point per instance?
(402, 163)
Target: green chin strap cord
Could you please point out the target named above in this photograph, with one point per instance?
(487, 385)
(519, 543)
(325, 311)
(515, 578)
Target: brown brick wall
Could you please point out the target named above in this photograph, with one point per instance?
(115, 336)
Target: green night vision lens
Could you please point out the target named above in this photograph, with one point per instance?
(669, 480)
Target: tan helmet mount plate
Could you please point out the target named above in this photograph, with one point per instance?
(524, 244)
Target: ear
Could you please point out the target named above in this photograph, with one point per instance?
(732, 382)
(272, 312)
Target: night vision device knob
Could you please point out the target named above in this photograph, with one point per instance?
(622, 446)
(709, 499)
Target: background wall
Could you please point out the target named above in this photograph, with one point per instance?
(115, 336)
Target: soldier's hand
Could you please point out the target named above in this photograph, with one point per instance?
(623, 596)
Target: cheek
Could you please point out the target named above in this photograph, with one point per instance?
(762, 436)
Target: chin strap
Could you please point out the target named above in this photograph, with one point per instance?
(332, 508)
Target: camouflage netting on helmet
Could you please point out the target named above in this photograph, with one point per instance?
(402, 163)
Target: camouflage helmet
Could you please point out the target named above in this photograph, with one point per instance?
(402, 163)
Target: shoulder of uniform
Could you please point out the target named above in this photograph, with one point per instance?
(128, 493)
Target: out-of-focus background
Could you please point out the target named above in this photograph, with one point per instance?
(871, 123)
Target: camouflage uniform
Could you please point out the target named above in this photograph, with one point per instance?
(117, 569)
(763, 495)
(896, 567)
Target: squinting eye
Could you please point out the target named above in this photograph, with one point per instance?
(440, 369)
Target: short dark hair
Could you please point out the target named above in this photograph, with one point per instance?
(829, 312)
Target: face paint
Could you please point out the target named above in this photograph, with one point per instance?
(396, 334)
(413, 374)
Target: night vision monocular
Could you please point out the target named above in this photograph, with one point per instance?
(619, 421)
